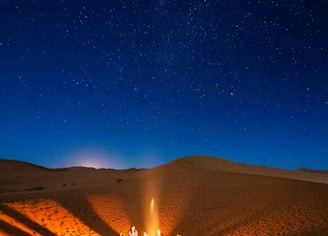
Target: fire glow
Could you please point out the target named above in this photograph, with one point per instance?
(51, 217)
(152, 219)
(158, 233)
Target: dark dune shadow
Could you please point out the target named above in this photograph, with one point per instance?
(130, 204)
(241, 222)
(321, 232)
(215, 210)
(29, 223)
(82, 210)
(135, 201)
(9, 229)
(184, 199)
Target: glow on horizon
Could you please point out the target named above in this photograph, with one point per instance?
(94, 158)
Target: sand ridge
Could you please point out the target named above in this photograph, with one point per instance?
(196, 195)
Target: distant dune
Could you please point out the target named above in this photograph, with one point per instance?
(207, 163)
(196, 195)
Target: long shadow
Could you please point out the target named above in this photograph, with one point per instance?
(28, 222)
(195, 191)
(9, 229)
(82, 209)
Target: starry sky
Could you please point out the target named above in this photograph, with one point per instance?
(130, 83)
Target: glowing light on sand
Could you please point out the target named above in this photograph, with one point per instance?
(158, 233)
(152, 202)
(151, 219)
(15, 224)
(51, 216)
(104, 205)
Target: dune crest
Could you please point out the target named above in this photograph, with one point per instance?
(209, 163)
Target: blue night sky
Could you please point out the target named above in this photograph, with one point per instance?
(132, 83)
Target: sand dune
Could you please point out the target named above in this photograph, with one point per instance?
(218, 164)
(196, 195)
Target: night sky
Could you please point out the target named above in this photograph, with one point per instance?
(128, 83)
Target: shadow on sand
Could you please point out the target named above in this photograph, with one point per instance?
(23, 219)
(84, 212)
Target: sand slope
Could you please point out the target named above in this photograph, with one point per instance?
(196, 195)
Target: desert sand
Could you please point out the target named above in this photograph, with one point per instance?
(196, 195)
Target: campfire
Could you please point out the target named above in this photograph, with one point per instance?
(158, 233)
(152, 216)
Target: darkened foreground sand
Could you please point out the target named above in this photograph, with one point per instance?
(191, 196)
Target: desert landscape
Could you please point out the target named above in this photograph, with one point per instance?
(195, 195)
